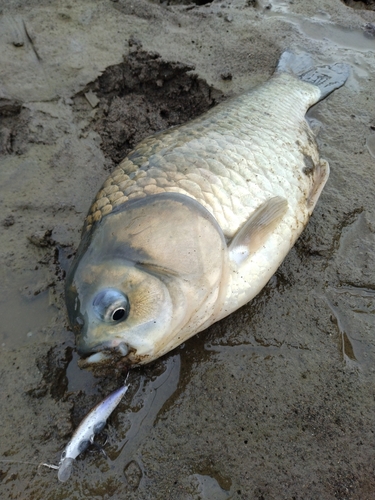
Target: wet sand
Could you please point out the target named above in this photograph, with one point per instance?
(277, 400)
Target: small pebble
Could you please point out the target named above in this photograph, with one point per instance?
(226, 75)
(8, 221)
(92, 99)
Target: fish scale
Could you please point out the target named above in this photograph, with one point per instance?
(196, 220)
(236, 131)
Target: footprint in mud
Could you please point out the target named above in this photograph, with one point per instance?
(356, 251)
(351, 301)
(352, 311)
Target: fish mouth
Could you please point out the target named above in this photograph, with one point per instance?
(104, 357)
(98, 358)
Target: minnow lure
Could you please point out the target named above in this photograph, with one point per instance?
(92, 424)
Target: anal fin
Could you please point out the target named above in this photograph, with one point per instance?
(257, 229)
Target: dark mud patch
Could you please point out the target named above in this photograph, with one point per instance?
(315, 243)
(184, 2)
(53, 367)
(360, 4)
(10, 110)
(146, 94)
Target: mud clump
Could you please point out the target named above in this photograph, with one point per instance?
(144, 95)
(8, 221)
(360, 4)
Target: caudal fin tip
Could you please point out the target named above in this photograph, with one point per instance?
(342, 70)
(327, 78)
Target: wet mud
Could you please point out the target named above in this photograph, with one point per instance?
(275, 401)
(144, 95)
(361, 4)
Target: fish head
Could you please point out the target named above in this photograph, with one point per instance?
(145, 278)
(118, 311)
(65, 469)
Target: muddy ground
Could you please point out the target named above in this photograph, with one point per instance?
(277, 401)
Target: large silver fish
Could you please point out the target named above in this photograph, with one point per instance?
(196, 220)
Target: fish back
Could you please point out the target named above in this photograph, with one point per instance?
(234, 157)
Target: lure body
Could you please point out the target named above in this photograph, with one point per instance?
(92, 424)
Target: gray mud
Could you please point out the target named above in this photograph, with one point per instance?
(277, 401)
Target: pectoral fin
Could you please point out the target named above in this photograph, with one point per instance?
(257, 229)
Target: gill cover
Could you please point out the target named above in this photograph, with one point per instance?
(146, 277)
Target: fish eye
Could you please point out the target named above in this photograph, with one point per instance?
(118, 314)
(111, 305)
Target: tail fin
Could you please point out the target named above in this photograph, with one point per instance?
(326, 78)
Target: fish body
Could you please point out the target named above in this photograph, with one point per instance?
(196, 220)
(92, 424)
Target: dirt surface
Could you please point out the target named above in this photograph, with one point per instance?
(277, 401)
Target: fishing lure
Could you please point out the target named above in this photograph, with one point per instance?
(84, 435)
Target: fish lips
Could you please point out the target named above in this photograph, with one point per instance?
(114, 353)
(105, 357)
